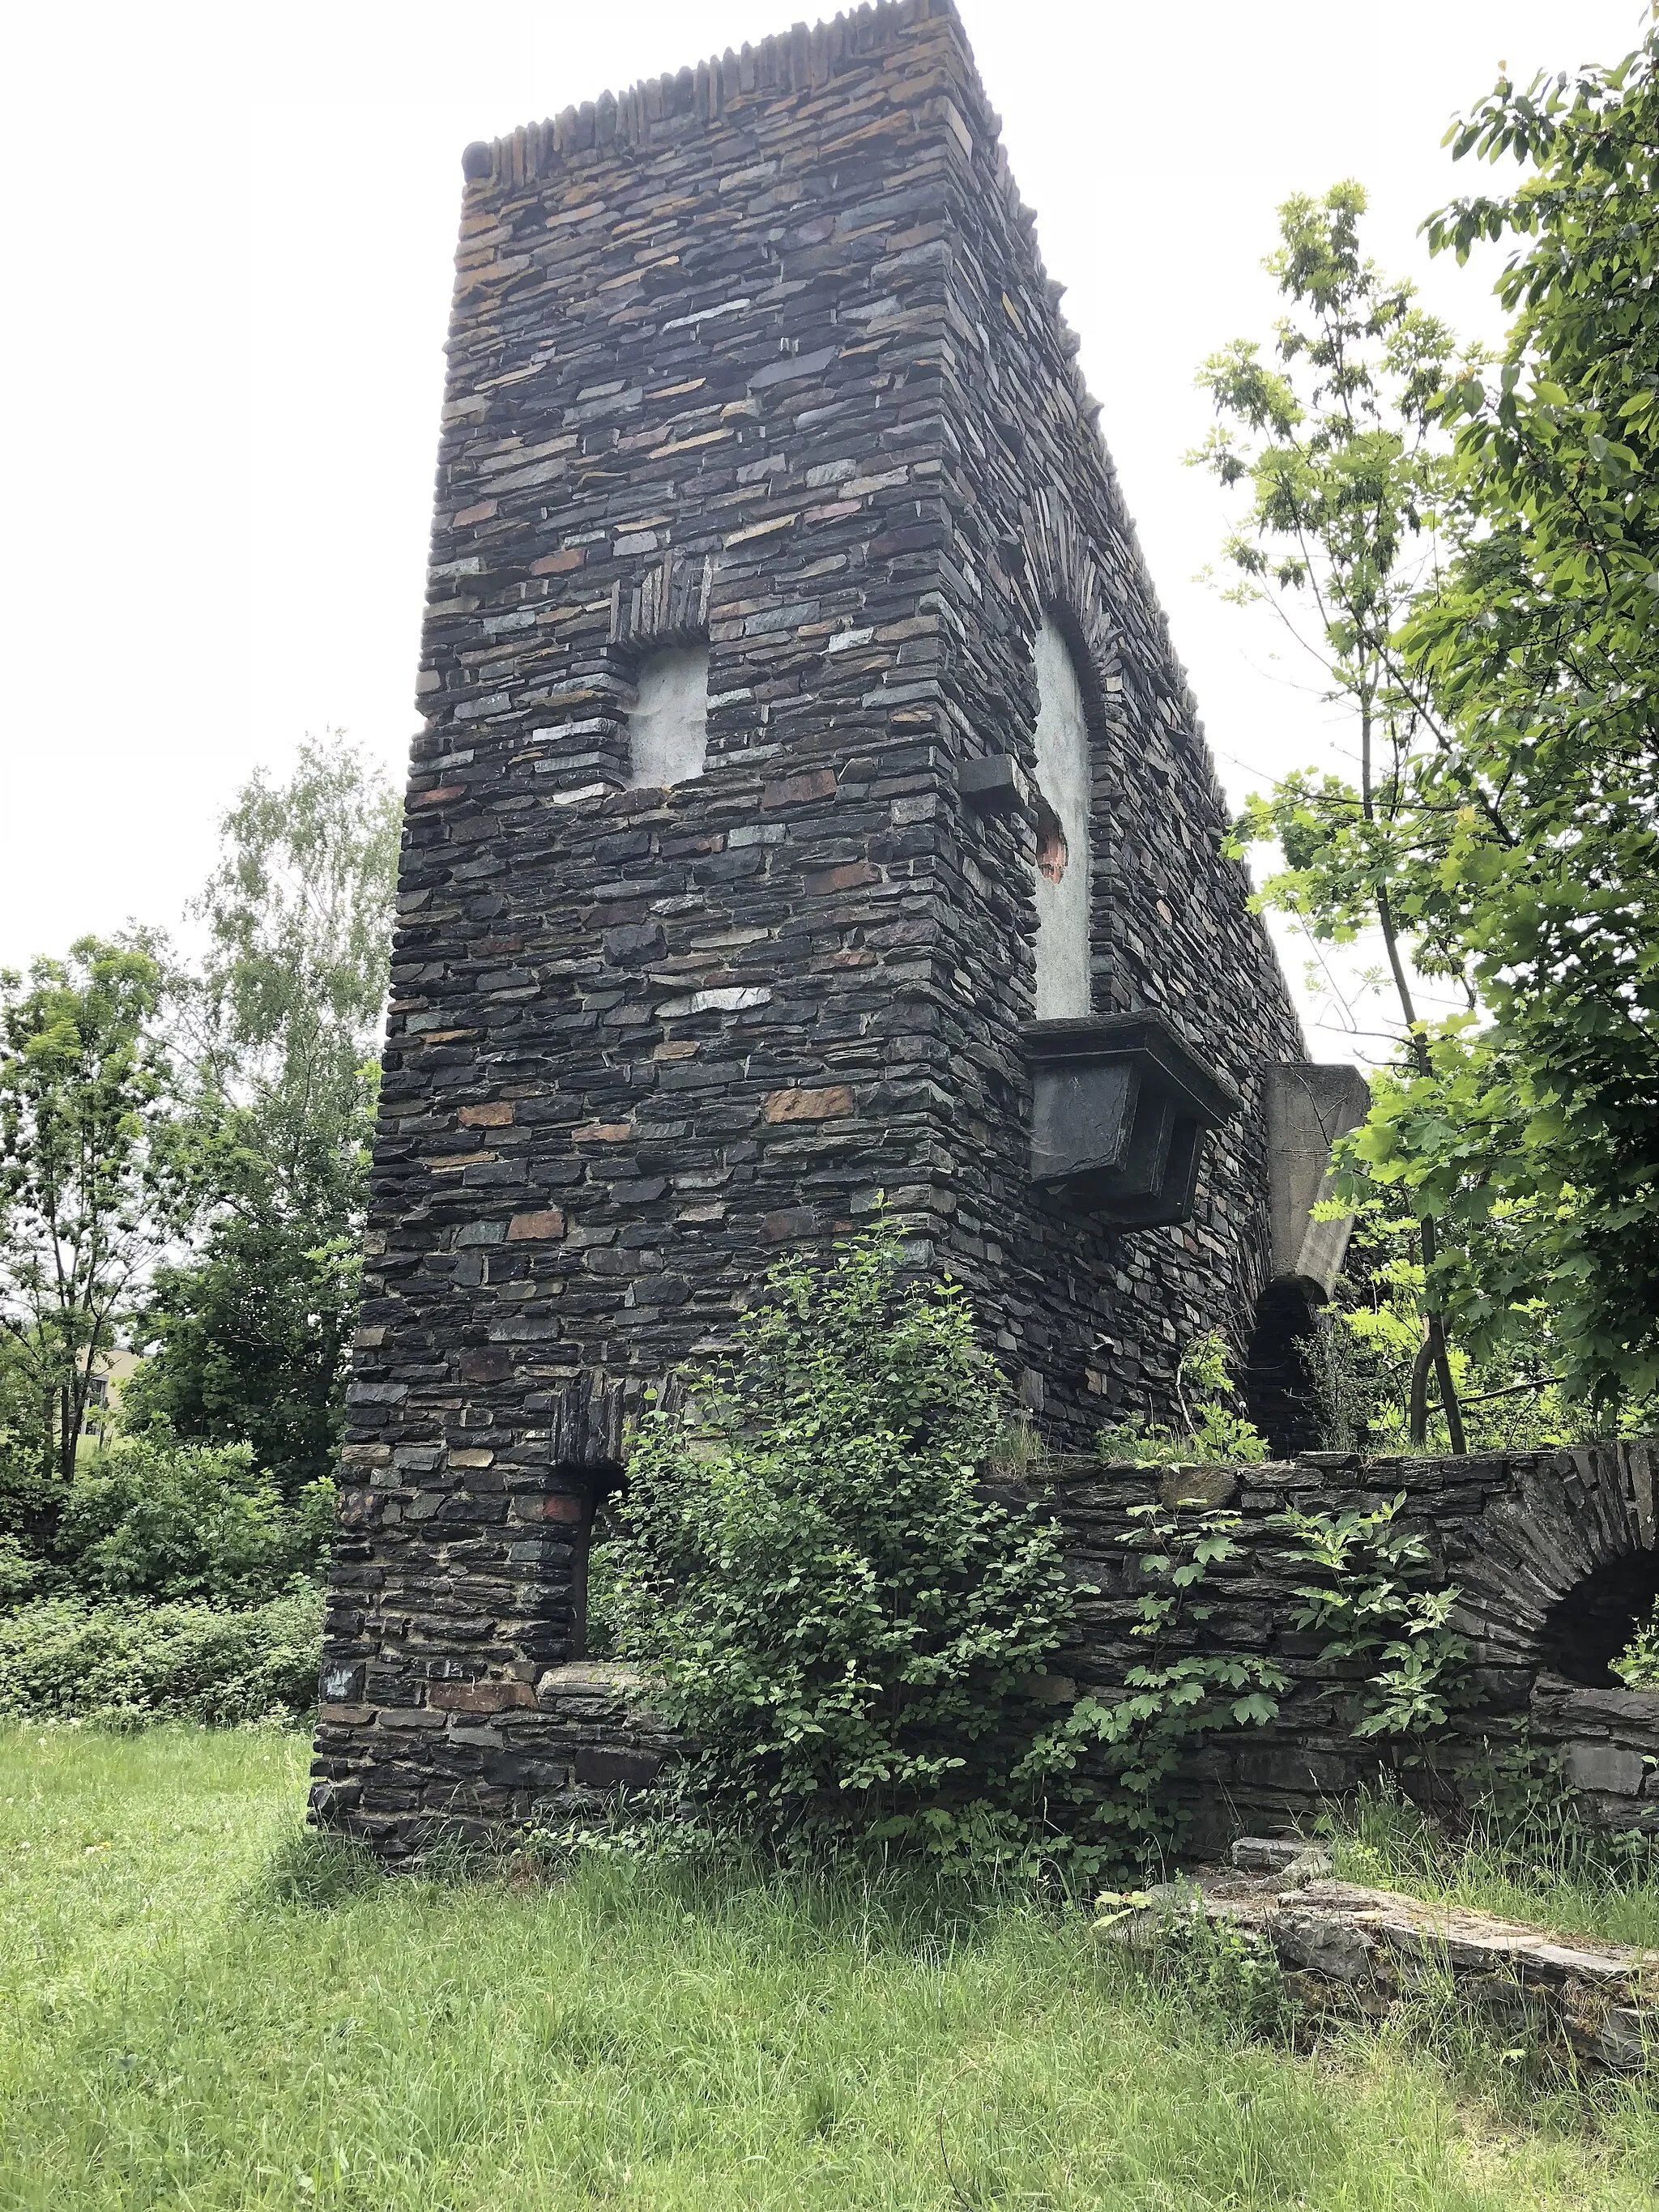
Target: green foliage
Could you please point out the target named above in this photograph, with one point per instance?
(1210, 1433)
(249, 1337)
(88, 1191)
(1538, 647)
(126, 1665)
(1638, 1664)
(1364, 1353)
(1225, 1972)
(1343, 451)
(249, 1334)
(161, 1520)
(1137, 1743)
(1373, 1595)
(841, 1621)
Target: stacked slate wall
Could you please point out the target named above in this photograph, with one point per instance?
(1532, 1540)
(734, 361)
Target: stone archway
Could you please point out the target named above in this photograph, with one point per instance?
(1556, 1565)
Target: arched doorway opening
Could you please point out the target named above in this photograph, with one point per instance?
(1278, 1380)
(1587, 1627)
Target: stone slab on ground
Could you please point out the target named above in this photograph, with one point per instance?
(1338, 1940)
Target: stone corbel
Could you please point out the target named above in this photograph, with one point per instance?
(1120, 1105)
(1309, 1108)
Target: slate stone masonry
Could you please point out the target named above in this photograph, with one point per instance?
(762, 358)
(1553, 1556)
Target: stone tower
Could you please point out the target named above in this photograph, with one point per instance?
(809, 805)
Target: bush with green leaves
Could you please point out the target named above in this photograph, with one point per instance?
(125, 1665)
(1374, 1594)
(1206, 1432)
(1638, 1664)
(154, 1518)
(838, 1615)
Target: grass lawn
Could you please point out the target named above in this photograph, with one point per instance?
(175, 2033)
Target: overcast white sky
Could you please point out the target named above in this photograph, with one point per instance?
(229, 235)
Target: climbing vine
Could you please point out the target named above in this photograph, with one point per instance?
(1371, 1591)
(1137, 1742)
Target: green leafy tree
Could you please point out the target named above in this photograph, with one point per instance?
(842, 1621)
(1335, 441)
(250, 1335)
(164, 1522)
(1536, 1135)
(90, 1194)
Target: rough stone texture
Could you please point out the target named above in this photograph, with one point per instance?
(1364, 1948)
(1528, 1538)
(1608, 1740)
(761, 355)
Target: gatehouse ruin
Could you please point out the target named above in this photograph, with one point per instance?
(809, 805)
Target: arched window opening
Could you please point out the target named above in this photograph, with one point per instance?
(668, 728)
(1065, 782)
(1585, 1630)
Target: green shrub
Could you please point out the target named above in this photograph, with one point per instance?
(841, 1619)
(156, 1518)
(123, 1664)
(1207, 1431)
(1638, 1664)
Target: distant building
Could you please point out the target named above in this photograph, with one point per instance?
(112, 1372)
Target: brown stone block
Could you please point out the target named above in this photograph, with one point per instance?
(478, 1697)
(494, 1113)
(851, 876)
(562, 1509)
(481, 513)
(536, 1228)
(824, 1105)
(558, 564)
(794, 790)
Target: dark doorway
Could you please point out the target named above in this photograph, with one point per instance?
(1585, 1630)
(1279, 1387)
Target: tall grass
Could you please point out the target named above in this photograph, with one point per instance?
(1544, 1864)
(198, 2010)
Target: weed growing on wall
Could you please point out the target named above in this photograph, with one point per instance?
(1372, 1594)
(1207, 1432)
(1138, 1743)
(838, 1616)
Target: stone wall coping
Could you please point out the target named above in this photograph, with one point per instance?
(793, 61)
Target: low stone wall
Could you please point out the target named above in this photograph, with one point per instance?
(511, 1754)
(1532, 1540)
(1545, 1548)
(1348, 1950)
(1608, 1741)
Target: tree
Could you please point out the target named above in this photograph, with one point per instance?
(250, 1336)
(89, 1191)
(1337, 445)
(1538, 1135)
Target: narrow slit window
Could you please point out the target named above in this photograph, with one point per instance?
(668, 729)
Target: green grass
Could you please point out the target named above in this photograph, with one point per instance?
(197, 2010)
(1548, 1869)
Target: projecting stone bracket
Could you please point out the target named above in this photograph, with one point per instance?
(995, 784)
(1119, 1108)
(1309, 1108)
